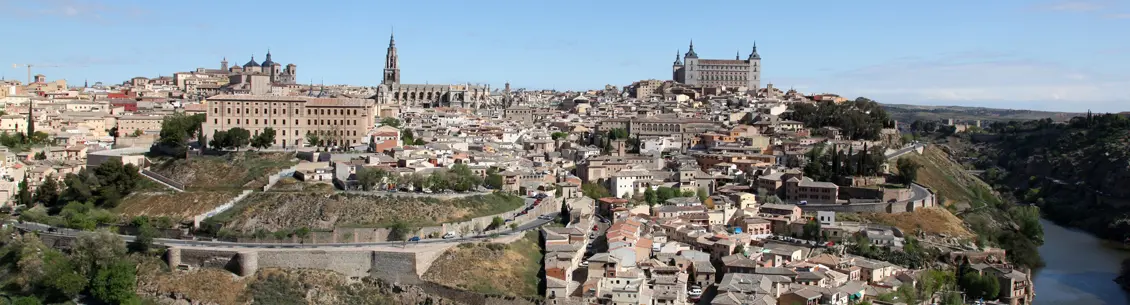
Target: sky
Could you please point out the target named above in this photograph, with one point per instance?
(1018, 54)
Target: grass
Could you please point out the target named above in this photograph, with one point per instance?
(177, 205)
(506, 269)
(928, 220)
(952, 182)
(233, 171)
(277, 211)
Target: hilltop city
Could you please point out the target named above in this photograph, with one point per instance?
(705, 187)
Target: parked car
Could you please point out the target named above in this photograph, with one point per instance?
(449, 235)
(695, 291)
(414, 238)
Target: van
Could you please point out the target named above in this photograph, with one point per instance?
(449, 235)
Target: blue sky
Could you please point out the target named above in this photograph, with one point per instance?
(1048, 55)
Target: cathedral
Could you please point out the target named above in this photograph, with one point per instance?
(735, 73)
(391, 91)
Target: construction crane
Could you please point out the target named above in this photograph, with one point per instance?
(14, 66)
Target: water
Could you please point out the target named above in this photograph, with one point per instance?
(1080, 269)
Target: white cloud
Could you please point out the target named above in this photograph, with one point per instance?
(990, 79)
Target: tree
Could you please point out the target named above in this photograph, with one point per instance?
(264, 139)
(739, 249)
(95, 250)
(23, 195)
(178, 128)
(368, 177)
(559, 135)
(40, 156)
(908, 170)
(220, 140)
(702, 194)
(115, 284)
(48, 192)
(812, 230)
(565, 214)
(400, 230)
(239, 137)
(650, 197)
(143, 241)
(407, 137)
(496, 222)
(313, 140)
(494, 181)
(26, 300)
(390, 122)
(595, 191)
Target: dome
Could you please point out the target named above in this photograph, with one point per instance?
(267, 63)
(251, 63)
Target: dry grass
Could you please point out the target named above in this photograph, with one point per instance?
(324, 211)
(173, 204)
(951, 181)
(238, 170)
(928, 220)
(204, 286)
(509, 269)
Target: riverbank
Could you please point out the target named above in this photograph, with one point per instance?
(1079, 269)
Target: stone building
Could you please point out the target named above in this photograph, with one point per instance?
(391, 91)
(737, 72)
(339, 121)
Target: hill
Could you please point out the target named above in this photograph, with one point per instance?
(491, 268)
(911, 113)
(996, 221)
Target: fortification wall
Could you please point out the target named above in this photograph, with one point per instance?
(354, 263)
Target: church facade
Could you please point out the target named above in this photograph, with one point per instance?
(391, 91)
(736, 73)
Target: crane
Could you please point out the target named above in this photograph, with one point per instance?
(14, 66)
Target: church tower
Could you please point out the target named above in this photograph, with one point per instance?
(392, 64)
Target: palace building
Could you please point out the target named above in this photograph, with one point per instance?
(735, 73)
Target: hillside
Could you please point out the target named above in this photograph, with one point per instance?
(997, 222)
(274, 211)
(491, 268)
(910, 113)
(233, 171)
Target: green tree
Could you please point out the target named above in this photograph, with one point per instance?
(595, 191)
(369, 177)
(496, 222)
(98, 249)
(40, 156)
(313, 140)
(48, 192)
(494, 181)
(400, 230)
(239, 137)
(650, 196)
(143, 241)
(390, 122)
(264, 139)
(559, 135)
(407, 137)
(178, 128)
(220, 140)
(702, 195)
(566, 215)
(908, 170)
(811, 230)
(116, 283)
(26, 300)
(739, 249)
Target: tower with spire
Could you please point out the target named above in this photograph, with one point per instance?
(392, 63)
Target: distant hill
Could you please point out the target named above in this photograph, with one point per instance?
(911, 113)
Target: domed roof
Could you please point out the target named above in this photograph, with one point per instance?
(268, 62)
(251, 63)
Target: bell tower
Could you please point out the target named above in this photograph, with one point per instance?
(392, 63)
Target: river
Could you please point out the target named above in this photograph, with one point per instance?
(1080, 269)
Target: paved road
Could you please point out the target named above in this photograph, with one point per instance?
(903, 151)
(43, 229)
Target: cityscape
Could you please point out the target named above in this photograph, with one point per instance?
(229, 183)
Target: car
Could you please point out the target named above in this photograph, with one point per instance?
(449, 235)
(695, 291)
(595, 228)
(584, 263)
(52, 229)
(414, 238)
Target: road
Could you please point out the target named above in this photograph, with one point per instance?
(903, 151)
(43, 229)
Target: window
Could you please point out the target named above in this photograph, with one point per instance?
(308, 122)
(256, 121)
(284, 132)
(216, 110)
(296, 122)
(229, 121)
(273, 122)
(237, 121)
(237, 111)
(215, 121)
(229, 110)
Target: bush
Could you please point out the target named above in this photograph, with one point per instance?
(115, 284)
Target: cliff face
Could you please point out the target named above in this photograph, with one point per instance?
(1078, 173)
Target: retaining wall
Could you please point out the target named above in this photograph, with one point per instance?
(220, 209)
(354, 263)
(396, 267)
(272, 179)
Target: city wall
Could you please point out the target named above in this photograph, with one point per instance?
(393, 266)
(901, 203)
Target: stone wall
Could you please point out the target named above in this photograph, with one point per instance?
(354, 263)
(548, 205)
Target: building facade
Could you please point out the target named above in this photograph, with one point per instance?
(391, 91)
(737, 72)
(338, 121)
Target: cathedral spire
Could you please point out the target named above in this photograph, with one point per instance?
(678, 59)
(753, 54)
(737, 55)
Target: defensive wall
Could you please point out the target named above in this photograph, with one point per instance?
(395, 266)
